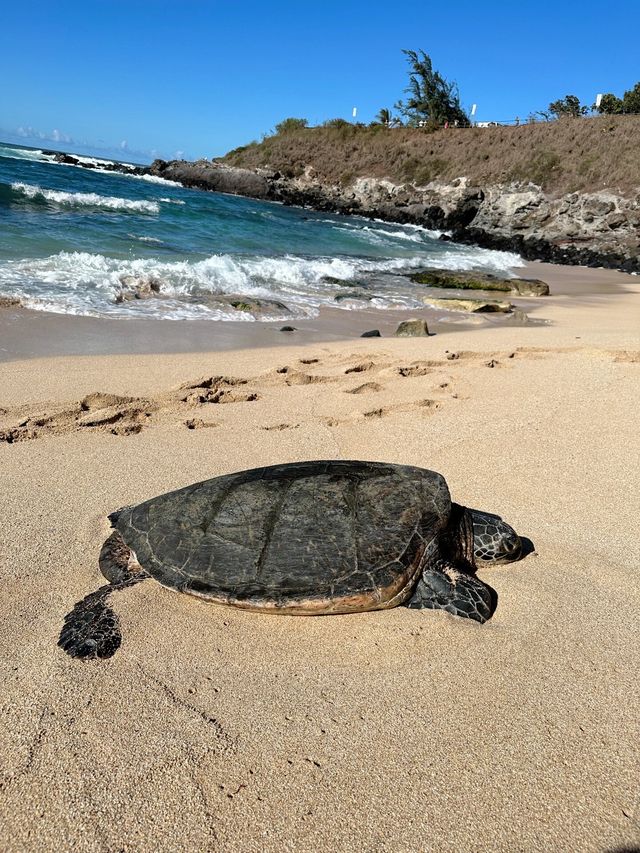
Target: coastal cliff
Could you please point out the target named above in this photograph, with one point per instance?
(564, 193)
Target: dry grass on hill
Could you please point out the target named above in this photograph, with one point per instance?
(564, 156)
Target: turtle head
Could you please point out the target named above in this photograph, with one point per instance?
(494, 541)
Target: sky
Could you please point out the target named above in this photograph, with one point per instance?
(136, 79)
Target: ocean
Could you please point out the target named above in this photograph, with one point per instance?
(83, 241)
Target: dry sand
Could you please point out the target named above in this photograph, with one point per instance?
(215, 729)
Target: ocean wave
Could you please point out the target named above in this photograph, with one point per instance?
(400, 231)
(156, 179)
(66, 199)
(144, 239)
(25, 154)
(92, 284)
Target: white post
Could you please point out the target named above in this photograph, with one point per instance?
(355, 112)
(598, 100)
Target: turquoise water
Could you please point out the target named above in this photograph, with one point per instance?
(72, 238)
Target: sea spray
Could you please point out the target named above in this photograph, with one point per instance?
(84, 199)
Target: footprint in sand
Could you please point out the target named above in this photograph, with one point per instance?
(279, 427)
(368, 387)
(124, 416)
(426, 406)
(417, 369)
(626, 357)
(198, 423)
(214, 389)
(292, 376)
(362, 367)
(106, 412)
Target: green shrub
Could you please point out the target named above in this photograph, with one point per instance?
(336, 122)
(290, 125)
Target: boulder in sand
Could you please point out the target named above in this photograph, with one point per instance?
(414, 328)
(473, 306)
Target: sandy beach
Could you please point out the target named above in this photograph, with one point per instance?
(213, 729)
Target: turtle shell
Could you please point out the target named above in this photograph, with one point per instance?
(302, 538)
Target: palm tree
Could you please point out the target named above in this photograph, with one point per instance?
(384, 117)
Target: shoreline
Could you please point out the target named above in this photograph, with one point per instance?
(34, 334)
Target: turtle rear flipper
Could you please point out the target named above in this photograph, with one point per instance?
(446, 588)
(117, 561)
(92, 629)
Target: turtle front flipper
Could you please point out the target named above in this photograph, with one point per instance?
(446, 588)
(92, 629)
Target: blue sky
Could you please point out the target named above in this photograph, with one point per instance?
(152, 77)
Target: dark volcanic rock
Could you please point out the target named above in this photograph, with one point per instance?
(372, 333)
(10, 302)
(212, 176)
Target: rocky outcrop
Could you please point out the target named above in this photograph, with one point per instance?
(473, 306)
(594, 229)
(96, 165)
(136, 287)
(206, 175)
(249, 304)
(480, 281)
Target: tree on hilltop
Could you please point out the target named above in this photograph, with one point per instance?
(631, 100)
(569, 106)
(609, 105)
(431, 98)
(384, 117)
(289, 125)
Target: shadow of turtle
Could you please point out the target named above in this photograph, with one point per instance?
(627, 848)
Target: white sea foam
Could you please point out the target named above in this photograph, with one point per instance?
(172, 200)
(376, 234)
(83, 283)
(144, 239)
(25, 154)
(156, 179)
(85, 199)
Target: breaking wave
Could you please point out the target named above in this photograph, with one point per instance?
(66, 199)
(156, 179)
(25, 154)
(90, 284)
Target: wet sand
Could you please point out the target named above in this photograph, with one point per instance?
(213, 729)
(29, 334)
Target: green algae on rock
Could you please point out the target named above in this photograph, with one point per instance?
(480, 281)
(414, 328)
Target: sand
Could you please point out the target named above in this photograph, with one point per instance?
(212, 729)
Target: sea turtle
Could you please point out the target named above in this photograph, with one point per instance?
(305, 538)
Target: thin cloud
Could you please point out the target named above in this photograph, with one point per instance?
(99, 148)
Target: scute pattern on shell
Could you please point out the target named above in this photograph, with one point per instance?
(313, 537)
